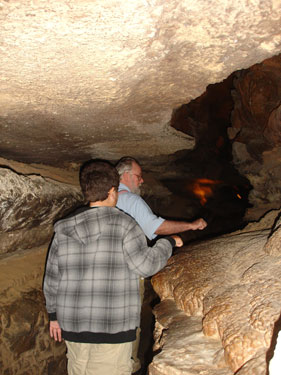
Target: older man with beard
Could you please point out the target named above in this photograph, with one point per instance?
(130, 201)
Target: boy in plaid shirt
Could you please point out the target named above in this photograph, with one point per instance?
(92, 276)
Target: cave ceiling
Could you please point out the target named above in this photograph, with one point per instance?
(81, 79)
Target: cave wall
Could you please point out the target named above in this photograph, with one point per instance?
(32, 198)
(256, 129)
(28, 207)
(236, 124)
(25, 346)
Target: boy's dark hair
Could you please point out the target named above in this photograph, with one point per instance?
(97, 177)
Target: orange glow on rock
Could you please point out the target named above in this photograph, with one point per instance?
(203, 188)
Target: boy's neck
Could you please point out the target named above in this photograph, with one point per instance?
(100, 204)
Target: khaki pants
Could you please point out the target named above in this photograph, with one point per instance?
(99, 359)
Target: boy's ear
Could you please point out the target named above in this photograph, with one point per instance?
(112, 197)
(111, 190)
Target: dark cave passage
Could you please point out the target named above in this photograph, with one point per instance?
(207, 184)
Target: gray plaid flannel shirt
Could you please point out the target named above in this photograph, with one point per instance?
(93, 269)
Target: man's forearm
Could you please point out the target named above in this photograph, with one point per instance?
(171, 226)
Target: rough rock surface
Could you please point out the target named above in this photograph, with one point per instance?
(233, 284)
(25, 346)
(100, 79)
(236, 125)
(256, 129)
(185, 349)
(29, 205)
(32, 198)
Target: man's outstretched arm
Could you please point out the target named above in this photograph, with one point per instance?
(171, 226)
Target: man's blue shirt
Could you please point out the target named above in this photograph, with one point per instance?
(136, 207)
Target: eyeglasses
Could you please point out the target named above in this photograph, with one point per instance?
(139, 177)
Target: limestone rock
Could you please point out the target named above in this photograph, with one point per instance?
(27, 202)
(25, 345)
(82, 79)
(273, 245)
(183, 345)
(24, 334)
(236, 124)
(273, 129)
(256, 120)
(234, 286)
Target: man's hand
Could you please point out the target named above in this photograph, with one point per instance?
(55, 330)
(178, 240)
(198, 224)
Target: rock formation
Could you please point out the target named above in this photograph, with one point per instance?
(237, 123)
(32, 198)
(83, 78)
(220, 300)
(31, 202)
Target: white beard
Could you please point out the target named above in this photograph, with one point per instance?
(136, 190)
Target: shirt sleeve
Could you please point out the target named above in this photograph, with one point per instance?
(136, 207)
(142, 259)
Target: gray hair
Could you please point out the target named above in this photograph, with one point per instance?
(125, 165)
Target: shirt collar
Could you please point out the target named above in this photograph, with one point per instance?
(123, 187)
